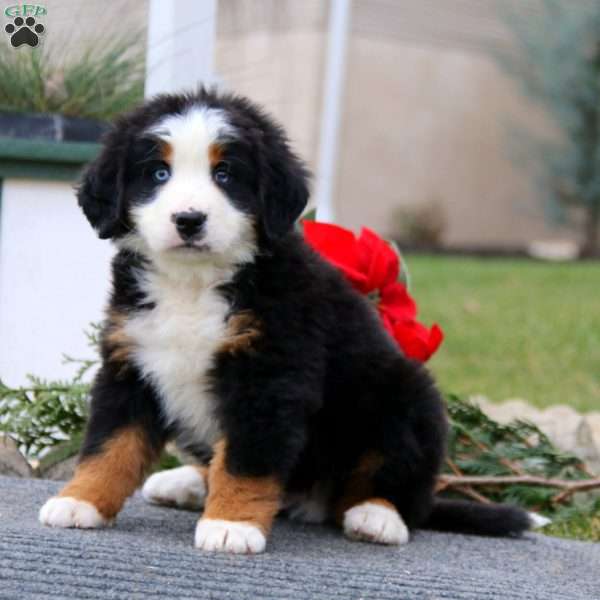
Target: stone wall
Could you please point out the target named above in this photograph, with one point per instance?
(567, 429)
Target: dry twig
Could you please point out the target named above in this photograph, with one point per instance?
(469, 481)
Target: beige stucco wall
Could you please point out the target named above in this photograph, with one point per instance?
(282, 72)
(425, 124)
(426, 115)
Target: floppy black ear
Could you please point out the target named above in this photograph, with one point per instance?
(284, 190)
(101, 189)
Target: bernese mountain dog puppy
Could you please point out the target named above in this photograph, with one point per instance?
(227, 333)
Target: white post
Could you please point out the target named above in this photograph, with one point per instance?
(181, 43)
(339, 24)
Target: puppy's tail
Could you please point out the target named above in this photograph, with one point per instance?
(481, 519)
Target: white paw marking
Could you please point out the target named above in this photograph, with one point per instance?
(371, 522)
(538, 521)
(69, 512)
(235, 537)
(183, 487)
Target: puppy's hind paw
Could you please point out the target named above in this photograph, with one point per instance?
(372, 522)
(183, 487)
(70, 512)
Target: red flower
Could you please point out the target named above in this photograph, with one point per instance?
(368, 262)
(416, 340)
(372, 267)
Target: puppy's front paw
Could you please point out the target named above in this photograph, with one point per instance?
(371, 522)
(69, 512)
(183, 487)
(235, 537)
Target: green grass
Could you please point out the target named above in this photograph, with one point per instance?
(578, 526)
(582, 530)
(514, 328)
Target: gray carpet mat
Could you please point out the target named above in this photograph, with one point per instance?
(149, 554)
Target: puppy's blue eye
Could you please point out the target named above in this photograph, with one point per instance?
(221, 175)
(161, 175)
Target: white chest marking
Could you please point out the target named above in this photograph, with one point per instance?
(175, 348)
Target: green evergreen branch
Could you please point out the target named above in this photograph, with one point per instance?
(47, 413)
(490, 462)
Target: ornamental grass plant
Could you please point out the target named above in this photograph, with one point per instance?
(98, 79)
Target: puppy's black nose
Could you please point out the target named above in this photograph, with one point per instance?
(189, 224)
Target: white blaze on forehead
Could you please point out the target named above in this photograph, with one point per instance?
(191, 134)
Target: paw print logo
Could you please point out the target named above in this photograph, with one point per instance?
(24, 31)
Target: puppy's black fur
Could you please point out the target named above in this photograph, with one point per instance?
(324, 385)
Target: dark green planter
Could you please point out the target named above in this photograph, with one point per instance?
(40, 146)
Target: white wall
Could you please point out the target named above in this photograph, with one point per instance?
(54, 278)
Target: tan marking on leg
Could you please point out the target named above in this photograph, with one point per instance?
(243, 329)
(120, 345)
(254, 500)
(108, 478)
(359, 487)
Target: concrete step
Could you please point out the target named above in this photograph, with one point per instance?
(149, 554)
